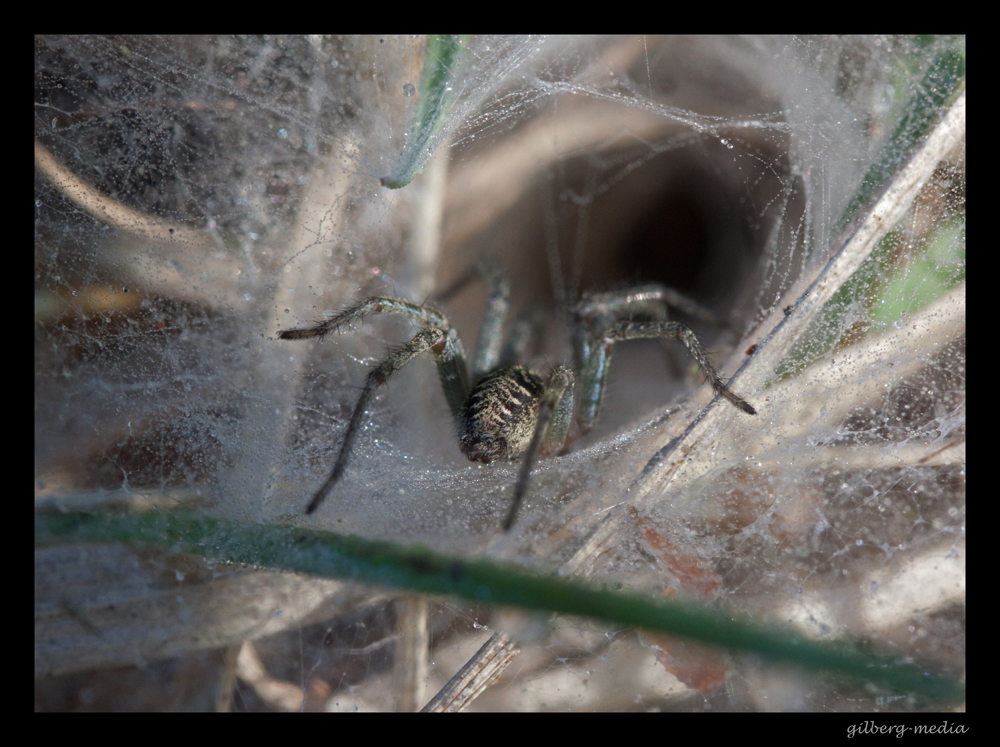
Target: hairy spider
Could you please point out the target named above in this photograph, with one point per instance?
(508, 411)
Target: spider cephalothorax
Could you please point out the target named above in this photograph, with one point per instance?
(509, 411)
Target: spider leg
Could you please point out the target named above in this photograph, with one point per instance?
(519, 339)
(555, 411)
(597, 312)
(427, 315)
(450, 360)
(429, 338)
(595, 369)
(639, 300)
(486, 355)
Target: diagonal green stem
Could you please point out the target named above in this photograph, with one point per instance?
(419, 569)
(940, 86)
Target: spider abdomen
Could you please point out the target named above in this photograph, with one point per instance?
(500, 415)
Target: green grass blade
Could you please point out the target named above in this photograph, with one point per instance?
(940, 86)
(441, 59)
(419, 569)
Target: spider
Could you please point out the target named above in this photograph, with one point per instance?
(506, 411)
